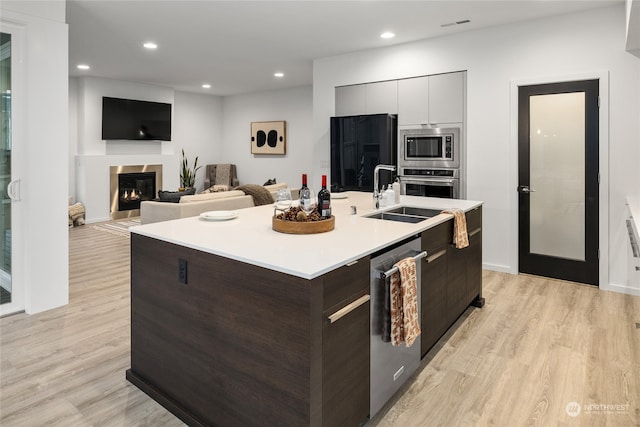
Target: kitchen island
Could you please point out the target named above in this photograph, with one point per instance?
(229, 319)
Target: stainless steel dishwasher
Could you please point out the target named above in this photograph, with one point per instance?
(391, 365)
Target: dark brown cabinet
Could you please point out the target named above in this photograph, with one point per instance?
(472, 258)
(451, 277)
(433, 292)
(268, 348)
(345, 345)
(257, 348)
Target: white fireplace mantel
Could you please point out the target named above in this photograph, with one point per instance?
(92, 179)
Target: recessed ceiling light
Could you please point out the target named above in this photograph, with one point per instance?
(387, 35)
(83, 67)
(278, 74)
(150, 45)
(206, 86)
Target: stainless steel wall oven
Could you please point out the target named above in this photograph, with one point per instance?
(429, 162)
(431, 182)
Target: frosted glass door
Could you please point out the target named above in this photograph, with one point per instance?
(557, 171)
(558, 200)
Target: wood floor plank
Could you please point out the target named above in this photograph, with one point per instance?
(537, 345)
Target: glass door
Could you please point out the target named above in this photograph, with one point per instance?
(558, 180)
(6, 288)
(11, 131)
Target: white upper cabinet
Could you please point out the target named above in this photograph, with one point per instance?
(446, 98)
(427, 100)
(382, 97)
(435, 99)
(351, 100)
(369, 98)
(413, 104)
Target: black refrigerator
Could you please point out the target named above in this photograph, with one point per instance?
(358, 144)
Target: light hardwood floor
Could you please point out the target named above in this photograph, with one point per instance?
(536, 346)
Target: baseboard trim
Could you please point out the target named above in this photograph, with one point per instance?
(498, 268)
(167, 402)
(620, 289)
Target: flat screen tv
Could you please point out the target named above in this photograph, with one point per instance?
(127, 119)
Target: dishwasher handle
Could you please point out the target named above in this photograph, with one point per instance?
(392, 270)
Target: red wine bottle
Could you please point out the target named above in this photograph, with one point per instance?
(324, 199)
(304, 181)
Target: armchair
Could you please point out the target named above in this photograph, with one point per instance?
(221, 174)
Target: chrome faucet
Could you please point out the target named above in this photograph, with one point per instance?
(376, 180)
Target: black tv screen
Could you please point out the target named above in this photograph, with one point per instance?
(135, 120)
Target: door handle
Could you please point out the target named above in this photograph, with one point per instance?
(13, 190)
(525, 189)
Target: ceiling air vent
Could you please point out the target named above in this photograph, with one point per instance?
(450, 24)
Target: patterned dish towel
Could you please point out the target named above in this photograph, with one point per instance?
(405, 324)
(460, 237)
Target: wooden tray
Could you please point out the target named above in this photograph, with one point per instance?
(311, 227)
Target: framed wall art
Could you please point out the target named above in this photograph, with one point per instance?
(268, 137)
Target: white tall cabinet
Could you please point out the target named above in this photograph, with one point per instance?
(413, 101)
(431, 100)
(351, 100)
(437, 100)
(382, 97)
(369, 98)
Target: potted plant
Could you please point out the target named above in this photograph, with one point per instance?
(187, 174)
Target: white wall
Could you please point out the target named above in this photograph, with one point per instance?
(215, 129)
(196, 127)
(40, 100)
(90, 92)
(295, 106)
(593, 41)
(73, 135)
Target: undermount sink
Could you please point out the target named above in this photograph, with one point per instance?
(389, 216)
(409, 214)
(415, 211)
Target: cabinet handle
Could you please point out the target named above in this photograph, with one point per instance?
(435, 256)
(348, 308)
(12, 192)
(349, 264)
(474, 232)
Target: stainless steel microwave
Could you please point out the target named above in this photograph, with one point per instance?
(429, 147)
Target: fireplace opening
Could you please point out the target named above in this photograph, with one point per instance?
(134, 188)
(131, 185)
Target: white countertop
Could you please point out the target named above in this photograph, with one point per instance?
(249, 237)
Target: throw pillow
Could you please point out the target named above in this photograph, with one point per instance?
(174, 196)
